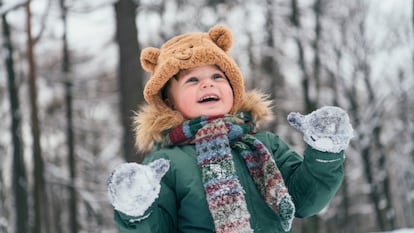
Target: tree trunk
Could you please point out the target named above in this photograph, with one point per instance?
(317, 7)
(309, 104)
(412, 61)
(3, 207)
(73, 223)
(19, 180)
(386, 214)
(366, 151)
(40, 198)
(342, 215)
(312, 224)
(270, 64)
(130, 73)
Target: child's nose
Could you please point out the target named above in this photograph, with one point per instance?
(207, 83)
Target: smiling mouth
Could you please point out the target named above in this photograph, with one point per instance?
(208, 98)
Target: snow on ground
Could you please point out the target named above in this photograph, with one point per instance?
(404, 230)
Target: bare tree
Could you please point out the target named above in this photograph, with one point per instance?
(130, 74)
(318, 10)
(269, 63)
(334, 76)
(310, 104)
(40, 197)
(369, 122)
(412, 60)
(3, 206)
(73, 223)
(20, 183)
(312, 224)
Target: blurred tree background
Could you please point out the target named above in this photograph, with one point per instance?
(70, 81)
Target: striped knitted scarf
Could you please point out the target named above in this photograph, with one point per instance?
(214, 138)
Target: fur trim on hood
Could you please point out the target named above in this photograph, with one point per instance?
(150, 121)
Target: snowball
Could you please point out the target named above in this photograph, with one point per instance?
(134, 187)
(326, 129)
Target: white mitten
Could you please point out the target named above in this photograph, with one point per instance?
(326, 129)
(134, 187)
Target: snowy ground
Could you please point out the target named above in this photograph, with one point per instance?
(411, 230)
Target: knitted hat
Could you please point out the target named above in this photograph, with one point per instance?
(187, 51)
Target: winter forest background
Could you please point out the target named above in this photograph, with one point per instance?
(70, 80)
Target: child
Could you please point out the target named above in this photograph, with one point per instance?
(209, 169)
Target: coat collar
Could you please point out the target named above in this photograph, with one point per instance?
(150, 121)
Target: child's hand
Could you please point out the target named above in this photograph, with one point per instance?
(134, 187)
(326, 129)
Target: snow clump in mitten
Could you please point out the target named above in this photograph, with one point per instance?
(326, 129)
(134, 187)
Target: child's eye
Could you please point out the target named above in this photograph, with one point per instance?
(191, 80)
(217, 76)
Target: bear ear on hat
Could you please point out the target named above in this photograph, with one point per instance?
(149, 58)
(222, 36)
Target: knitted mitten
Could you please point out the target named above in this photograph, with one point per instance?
(326, 129)
(134, 187)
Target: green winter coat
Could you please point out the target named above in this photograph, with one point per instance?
(312, 181)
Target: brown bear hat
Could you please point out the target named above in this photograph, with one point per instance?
(183, 52)
(186, 51)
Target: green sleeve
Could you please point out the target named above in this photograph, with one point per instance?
(313, 179)
(159, 218)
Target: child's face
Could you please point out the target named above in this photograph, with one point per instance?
(200, 91)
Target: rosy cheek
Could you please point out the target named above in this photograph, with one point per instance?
(184, 101)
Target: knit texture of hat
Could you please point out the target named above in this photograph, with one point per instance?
(187, 51)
